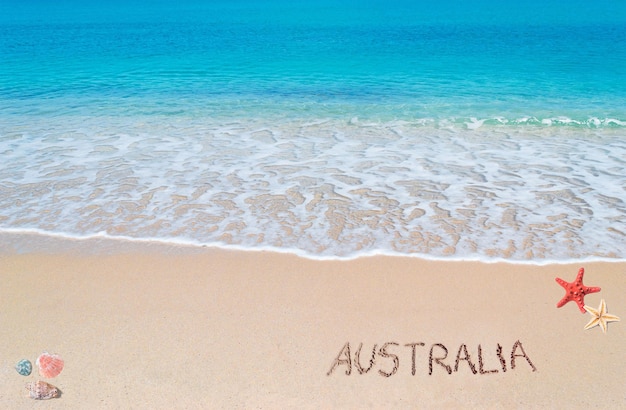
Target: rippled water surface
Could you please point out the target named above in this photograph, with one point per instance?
(325, 129)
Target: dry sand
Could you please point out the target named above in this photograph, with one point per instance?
(147, 326)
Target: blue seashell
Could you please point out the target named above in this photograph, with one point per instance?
(24, 367)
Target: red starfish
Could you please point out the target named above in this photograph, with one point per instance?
(576, 291)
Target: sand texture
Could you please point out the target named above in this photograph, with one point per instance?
(160, 327)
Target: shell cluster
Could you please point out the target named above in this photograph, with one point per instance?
(49, 365)
(41, 390)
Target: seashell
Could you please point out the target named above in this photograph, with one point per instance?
(41, 390)
(50, 365)
(24, 367)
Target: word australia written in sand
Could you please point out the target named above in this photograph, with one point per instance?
(385, 360)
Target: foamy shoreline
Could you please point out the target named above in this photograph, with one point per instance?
(328, 188)
(37, 241)
(148, 325)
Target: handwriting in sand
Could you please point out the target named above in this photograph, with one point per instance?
(436, 358)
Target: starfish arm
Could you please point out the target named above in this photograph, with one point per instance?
(602, 324)
(593, 289)
(562, 282)
(611, 318)
(593, 322)
(562, 302)
(581, 305)
(579, 277)
(592, 310)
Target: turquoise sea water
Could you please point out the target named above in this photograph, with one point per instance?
(475, 129)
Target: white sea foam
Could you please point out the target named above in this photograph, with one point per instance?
(35, 240)
(324, 188)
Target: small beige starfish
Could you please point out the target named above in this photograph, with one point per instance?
(600, 317)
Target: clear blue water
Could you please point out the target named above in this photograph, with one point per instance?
(325, 124)
(392, 60)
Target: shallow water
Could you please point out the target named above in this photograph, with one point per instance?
(326, 130)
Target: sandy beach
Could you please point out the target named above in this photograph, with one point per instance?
(156, 326)
(313, 204)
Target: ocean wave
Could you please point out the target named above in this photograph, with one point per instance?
(323, 187)
(558, 121)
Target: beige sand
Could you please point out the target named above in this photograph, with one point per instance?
(163, 327)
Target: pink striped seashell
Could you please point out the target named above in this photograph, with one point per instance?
(50, 365)
(41, 390)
